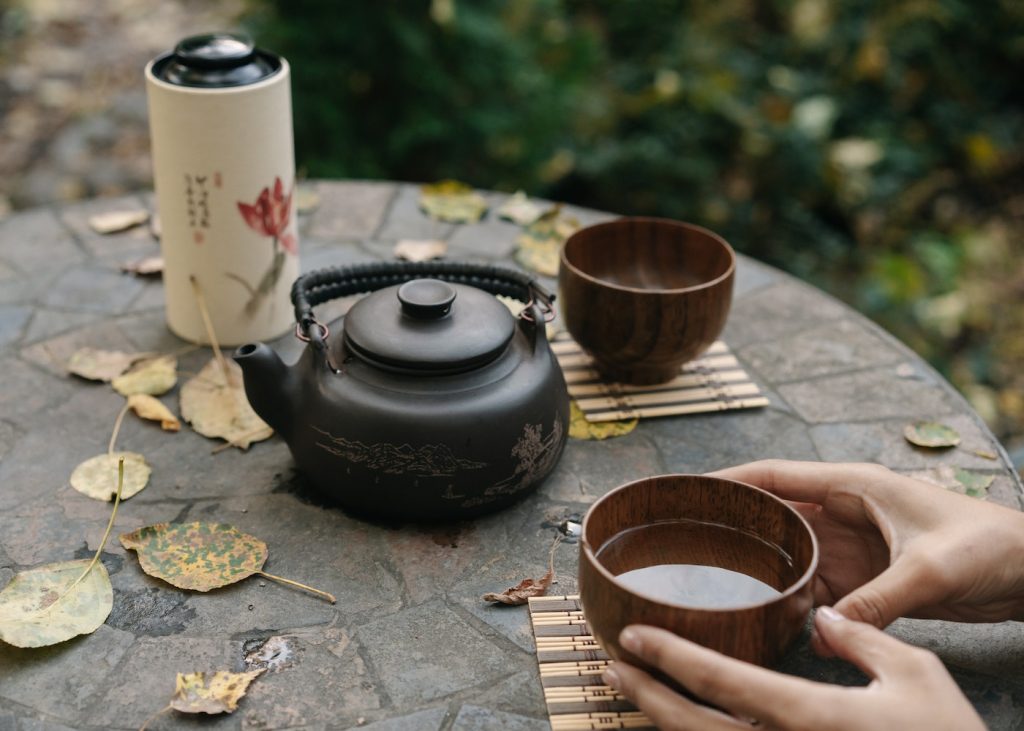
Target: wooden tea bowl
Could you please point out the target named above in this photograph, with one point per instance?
(645, 295)
(751, 531)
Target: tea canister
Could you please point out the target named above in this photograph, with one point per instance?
(224, 172)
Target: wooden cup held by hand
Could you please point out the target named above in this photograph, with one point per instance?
(706, 521)
(645, 295)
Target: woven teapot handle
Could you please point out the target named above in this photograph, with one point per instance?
(323, 285)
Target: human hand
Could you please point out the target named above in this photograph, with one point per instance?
(910, 688)
(893, 546)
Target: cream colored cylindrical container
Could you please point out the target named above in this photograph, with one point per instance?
(220, 119)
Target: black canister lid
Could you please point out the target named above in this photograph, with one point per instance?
(216, 60)
(430, 326)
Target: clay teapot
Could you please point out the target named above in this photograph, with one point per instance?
(429, 401)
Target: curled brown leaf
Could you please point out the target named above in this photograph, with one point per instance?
(521, 592)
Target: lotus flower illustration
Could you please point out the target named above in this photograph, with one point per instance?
(269, 216)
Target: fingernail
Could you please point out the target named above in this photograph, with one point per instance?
(830, 614)
(630, 640)
(611, 677)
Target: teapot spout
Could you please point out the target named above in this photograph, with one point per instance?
(269, 385)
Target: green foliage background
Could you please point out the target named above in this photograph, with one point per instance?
(874, 148)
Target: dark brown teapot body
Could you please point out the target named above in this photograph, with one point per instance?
(429, 402)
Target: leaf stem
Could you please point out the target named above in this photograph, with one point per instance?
(106, 535)
(117, 428)
(324, 594)
(152, 718)
(208, 324)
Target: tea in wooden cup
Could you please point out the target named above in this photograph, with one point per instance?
(645, 295)
(719, 562)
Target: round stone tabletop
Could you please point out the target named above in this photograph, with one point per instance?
(410, 644)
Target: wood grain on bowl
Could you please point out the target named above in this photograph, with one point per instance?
(719, 523)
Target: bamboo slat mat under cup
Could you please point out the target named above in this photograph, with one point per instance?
(571, 663)
(713, 382)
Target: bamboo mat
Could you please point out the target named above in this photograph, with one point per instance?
(713, 382)
(571, 662)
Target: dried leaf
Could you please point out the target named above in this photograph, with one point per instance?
(97, 476)
(931, 434)
(521, 592)
(101, 365)
(220, 694)
(36, 608)
(156, 376)
(218, 408)
(58, 601)
(957, 479)
(306, 199)
(514, 306)
(144, 267)
(985, 454)
(450, 200)
(202, 556)
(541, 242)
(420, 249)
(196, 556)
(580, 428)
(520, 209)
(149, 407)
(113, 222)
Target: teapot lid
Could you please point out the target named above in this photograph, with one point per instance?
(429, 325)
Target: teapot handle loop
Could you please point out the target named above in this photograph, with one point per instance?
(323, 285)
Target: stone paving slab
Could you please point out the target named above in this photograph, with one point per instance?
(410, 644)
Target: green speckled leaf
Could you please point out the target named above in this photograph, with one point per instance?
(957, 479)
(196, 556)
(975, 484)
(931, 434)
(36, 608)
(452, 201)
(220, 693)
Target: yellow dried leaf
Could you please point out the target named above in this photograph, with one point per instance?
(149, 407)
(306, 199)
(58, 601)
(450, 200)
(97, 476)
(541, 242)
(144, 267)
(219, 409)
(220, 694)
(155, 377)
(520, 209)
(113, 222)
(44, 605)
(580, 428)
(420, 250)
(101, 365)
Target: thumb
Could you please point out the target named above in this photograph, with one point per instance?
(882, 600)
(873, 651)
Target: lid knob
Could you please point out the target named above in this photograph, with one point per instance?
(215, 50)
(427, 299)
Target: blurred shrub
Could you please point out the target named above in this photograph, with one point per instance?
(874, 148)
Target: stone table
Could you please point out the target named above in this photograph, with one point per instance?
(409, 644)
